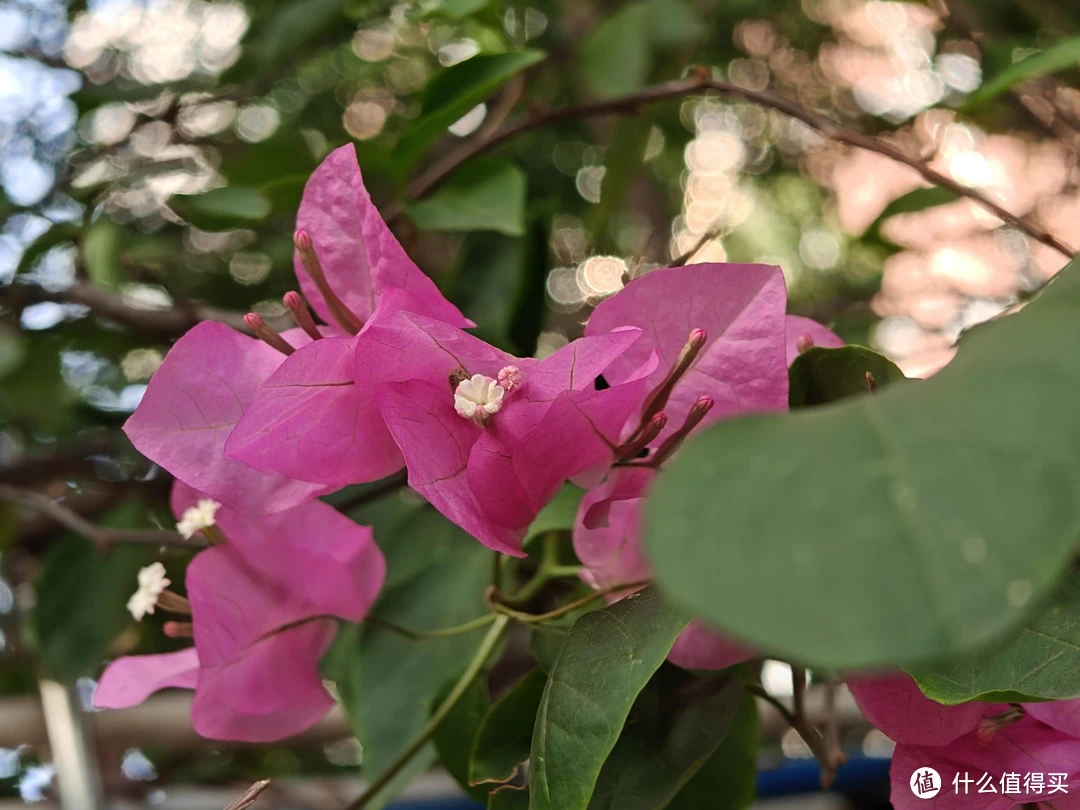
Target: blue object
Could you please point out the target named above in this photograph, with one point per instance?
(803, 776)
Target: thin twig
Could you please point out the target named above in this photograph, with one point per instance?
(162, 323)
(632, 103)
(483, 652)
(833, 749)
(706, 237)
(250, 796)
(101, 536)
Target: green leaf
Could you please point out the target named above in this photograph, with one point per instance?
(101, 254)
(387, 682)
(1041, 662)
(56, 235)
(820, 376)
(13, 344)
(455, 91)
(616, 56)
(606, 660)
(559, 514)
(1058, 57)
(502, 742)
(483, 195)
(728, 780)
(508, 798)
(898, 529)
(675, 726)
(456, 734)
(81, 598)
(222, 208)
(918, 200)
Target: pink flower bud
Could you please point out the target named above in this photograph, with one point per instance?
(803, 342)
(509, 378)
(292, 299)
(267, 335)
(697, 338)
(703, 405)
(302, 239)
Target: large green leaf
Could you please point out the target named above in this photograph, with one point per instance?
(502, 742)
(901, 528)
(223, 208)
(388, 683)
(1041, 662)
(456, 734)
(676, 725)
(455, 91)
(605, 662)
(728, 780)
(81, 598)
(483, 195)
(819, 376)
(1058, 57)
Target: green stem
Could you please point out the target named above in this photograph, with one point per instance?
(443, 632)
(548, 570)
(533, 618)
(475, 666)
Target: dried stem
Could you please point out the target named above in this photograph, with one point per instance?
(101, 536)
(632, 103)
(250, 796)
(801, 723)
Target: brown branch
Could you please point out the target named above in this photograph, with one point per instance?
(163, 323)
(632, 103)
(801, 723)
(251, 795)
(102, 537)
(59, 460)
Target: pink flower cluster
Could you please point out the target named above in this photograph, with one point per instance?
(987, 756)
(266, 425)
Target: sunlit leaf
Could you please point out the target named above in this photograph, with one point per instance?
(222, 208)
(456, 90)
(483, 195)
(1057, 57)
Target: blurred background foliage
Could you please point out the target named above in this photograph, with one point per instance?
(153, 153)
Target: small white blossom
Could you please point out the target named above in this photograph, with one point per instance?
(478, 398)
(152, 581)
(200, 516)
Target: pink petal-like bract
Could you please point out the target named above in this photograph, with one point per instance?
(130, 680)
(1026, 747)
(607, 540)
(799, 327)
(192, 403)
(263, 607)
(359, 255)
(492, 480)
(895, 704)
(310, 420)
(743, 365)
(259, 648)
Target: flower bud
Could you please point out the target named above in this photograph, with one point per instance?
(300, 314)
(267, 335)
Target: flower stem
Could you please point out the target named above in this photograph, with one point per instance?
(533, 618)
(475, 666)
